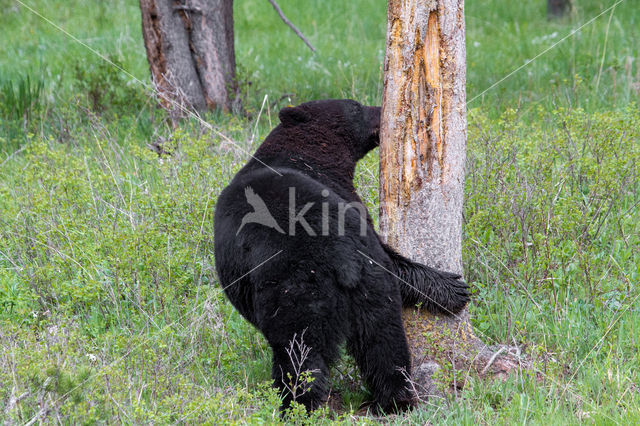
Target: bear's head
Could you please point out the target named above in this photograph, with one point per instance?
(336, 121)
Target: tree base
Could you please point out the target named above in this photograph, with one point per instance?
(445, 352)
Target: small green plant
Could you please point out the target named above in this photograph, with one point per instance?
(106, 87)
(20, 98)
(300, 382)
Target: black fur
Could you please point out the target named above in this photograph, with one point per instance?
(334, 287)
(436, 291)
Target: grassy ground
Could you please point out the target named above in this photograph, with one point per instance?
(109, 306)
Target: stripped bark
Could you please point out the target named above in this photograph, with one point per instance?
(424, 131)
(422, 157)
(190, 49)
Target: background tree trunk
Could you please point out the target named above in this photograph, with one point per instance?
(191, 54)
(422, 158)
(558, 8)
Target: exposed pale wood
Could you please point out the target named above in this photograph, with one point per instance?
(422, 157)
(423, 132)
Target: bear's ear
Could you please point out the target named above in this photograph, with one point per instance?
(290, 116)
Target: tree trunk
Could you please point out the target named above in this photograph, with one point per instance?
(558, 8)
(422, 158)
(191, 54)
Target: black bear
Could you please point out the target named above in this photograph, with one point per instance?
(298, 257)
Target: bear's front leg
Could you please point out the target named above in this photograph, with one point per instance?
(439, 292)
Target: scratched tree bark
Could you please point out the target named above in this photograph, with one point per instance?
(422, 158)
(191, 54)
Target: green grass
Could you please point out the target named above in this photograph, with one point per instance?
(109, 306)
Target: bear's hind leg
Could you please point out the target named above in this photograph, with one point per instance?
(304, 329)
(382, 354)
(304, 321)
(300, 377)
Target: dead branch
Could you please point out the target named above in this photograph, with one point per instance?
(290, 24)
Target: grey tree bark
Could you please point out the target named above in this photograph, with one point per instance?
(558, 8)
(190, 49)
(422, 158)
